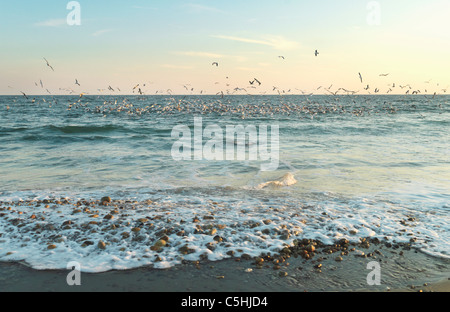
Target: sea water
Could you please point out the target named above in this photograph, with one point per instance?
(348, 167)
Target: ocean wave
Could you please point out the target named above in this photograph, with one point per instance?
(286, 180)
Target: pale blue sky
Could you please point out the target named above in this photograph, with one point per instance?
(166, 44)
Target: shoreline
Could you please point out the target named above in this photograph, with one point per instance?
(405, 270)
(306, 265)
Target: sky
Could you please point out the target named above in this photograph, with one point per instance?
(169, 46)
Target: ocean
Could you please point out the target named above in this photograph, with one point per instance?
(318, 167)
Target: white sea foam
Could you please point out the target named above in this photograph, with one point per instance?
(252, 226)
(286, 180)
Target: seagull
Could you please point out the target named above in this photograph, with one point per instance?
(316, 53)
(360, 77)
(110, 88)
(24, 95)
(384, 75)
(48, 64)
(76, 82)
(281, 56)
(215, 63)
(257, 81)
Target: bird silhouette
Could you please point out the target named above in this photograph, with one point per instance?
(48, 64)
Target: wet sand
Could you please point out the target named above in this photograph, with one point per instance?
(402, 270)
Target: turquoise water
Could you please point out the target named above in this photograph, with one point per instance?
(369, 160)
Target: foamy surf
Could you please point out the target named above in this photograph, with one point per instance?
(167, 229)
(286, 180)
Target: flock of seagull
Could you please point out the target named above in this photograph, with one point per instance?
(174, 105)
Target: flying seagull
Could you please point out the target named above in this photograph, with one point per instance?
(48, 64)
(24, 95)
(316, 53)
(76, 82)
(281, 56)
(255, 80)
(360, 77)
(215, 63)
(384, 75)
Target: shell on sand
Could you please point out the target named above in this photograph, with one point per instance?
(287, 180)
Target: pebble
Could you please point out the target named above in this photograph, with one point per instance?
(283, 274)
(105, 200)
(160, 243)
(101, 245)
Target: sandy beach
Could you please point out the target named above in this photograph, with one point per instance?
(402, 270)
